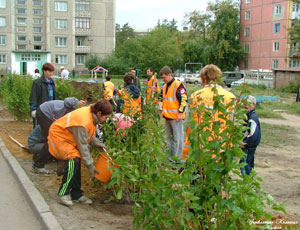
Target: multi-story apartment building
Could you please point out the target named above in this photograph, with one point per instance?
(265, 34)
(63, 32)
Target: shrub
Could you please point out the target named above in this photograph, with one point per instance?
(16, 93)
(65, 89)
(291, 88)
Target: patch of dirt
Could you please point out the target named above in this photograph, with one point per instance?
(278, 167)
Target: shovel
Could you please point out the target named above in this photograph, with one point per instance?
(18, 143)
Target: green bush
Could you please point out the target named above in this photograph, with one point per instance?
(15, 95)
(65, 89)
(291, 88)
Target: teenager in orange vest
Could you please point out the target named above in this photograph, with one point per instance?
(130, 101)
(152, 83)
(68, 140)
(173, 110)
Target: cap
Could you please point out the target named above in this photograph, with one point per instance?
(62, 67)
(251, 99)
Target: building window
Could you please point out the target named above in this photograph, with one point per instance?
(26, 57)
(60, 24)
(21, 38)
(37, 12)
(2, 21)
(37, 47)
(277, 10)
(276, 28)
(248, 1)
(275, 46)
(295, 7)
(61, 42)
(247, 15)
(21, 47)
(37, 29)
(21, 29)
(21, 2)
(82, 5)
(245, 64)
(21, 20)
(61, 59)
(2, 58)
(82, 23)
(294, 63)
(21, 11)
(246, 48)
(80, 59)
(2, 40)
(37, 21)
(61, 6)
(2, 3)
(79, 41)
(36, 57)
(246, 32)
(37, 38)
(274, 64)
(37, 3)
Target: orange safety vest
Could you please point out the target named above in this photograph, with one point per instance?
(152, 82)
(61, 141)
(206, 94)
(109, 88)
(170, 103)
(131, 106)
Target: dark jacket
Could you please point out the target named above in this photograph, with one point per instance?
(253, 134)
(40, 93)
(134, 93)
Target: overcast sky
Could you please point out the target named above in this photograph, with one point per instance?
(144, 14)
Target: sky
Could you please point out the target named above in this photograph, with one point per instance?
(144, 14)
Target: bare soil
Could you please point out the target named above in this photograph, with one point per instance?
(278, 167)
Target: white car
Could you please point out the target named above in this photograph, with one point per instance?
(181, 78)
(238, 82)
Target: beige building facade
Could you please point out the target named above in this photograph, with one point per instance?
(63, 32)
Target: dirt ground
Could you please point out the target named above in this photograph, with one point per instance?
(278, 167)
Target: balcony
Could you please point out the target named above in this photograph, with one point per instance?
(82, 49)
(83, 14)
(294, 53)
(82, 31)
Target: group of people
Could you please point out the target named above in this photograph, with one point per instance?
(62, 132)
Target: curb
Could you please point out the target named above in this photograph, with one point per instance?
(34, 197)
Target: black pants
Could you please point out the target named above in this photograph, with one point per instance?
(44, 122)
(41, 155)
(249, 160)
(71, 182)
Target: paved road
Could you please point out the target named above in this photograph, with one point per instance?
(15, 212)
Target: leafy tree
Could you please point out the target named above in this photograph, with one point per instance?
(169, 25)
(123, 34)
(92, 61)
(158, 48)
(294, 33)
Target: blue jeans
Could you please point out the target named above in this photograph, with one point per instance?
(249, 159)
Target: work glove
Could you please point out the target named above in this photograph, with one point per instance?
(92, 170)
(33, 113)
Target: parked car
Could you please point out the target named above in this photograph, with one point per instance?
(238, 82)
(180, 78)
(193, 79)
(230, 77)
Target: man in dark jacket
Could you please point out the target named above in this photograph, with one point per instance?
(252, 135)
(43, 89)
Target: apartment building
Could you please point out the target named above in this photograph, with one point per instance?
(265, 34)
(63, 32)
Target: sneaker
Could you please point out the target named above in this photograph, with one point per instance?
(66, 200)
(39, 170)
(84, 200)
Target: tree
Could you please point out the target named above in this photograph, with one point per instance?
(169, 25)
(92, 61)
(294, 33)
(123, 34)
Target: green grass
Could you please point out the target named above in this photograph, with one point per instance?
(272, 135)
(287, 105)
(267, 113)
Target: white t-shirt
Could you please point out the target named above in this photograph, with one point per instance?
(65, 74)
